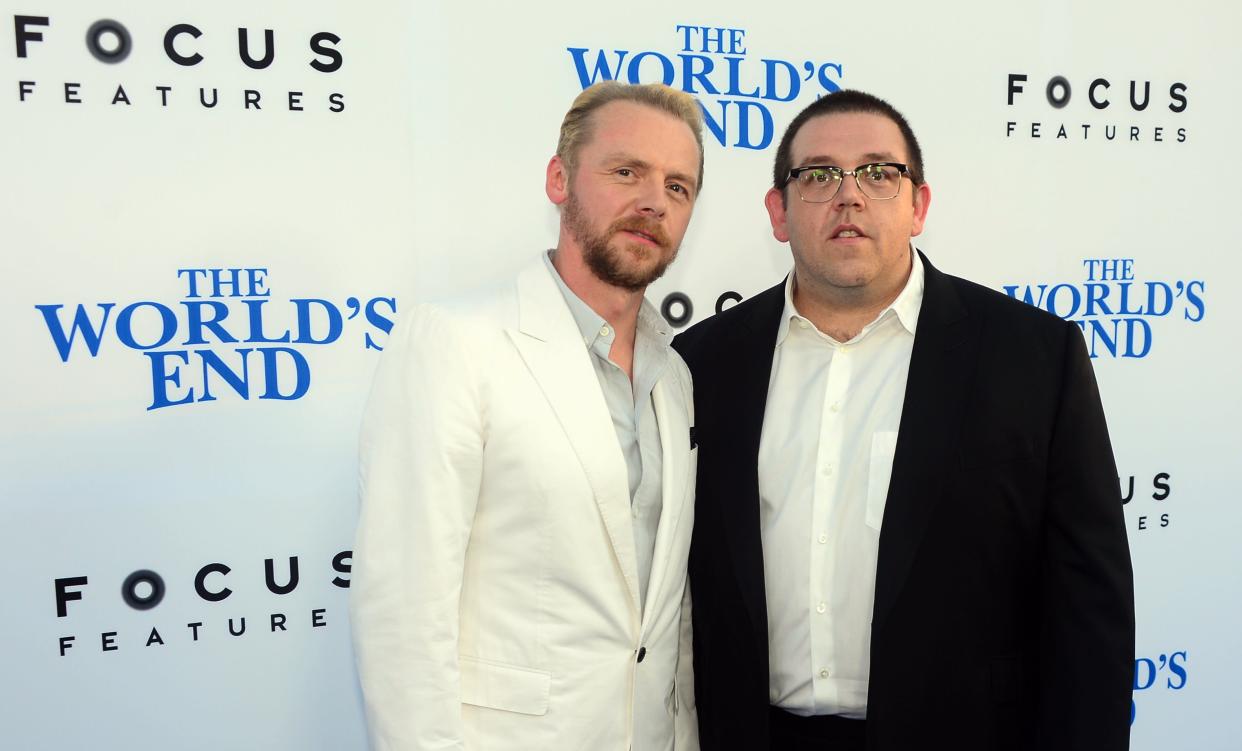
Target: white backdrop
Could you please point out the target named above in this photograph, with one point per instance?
(428, 181)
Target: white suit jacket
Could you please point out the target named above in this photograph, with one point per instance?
(494, 598)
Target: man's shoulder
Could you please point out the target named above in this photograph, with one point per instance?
(749, 315)
(461, 322)
(1010, 328)
(1001, 309)
(494, 303)
(485, 306)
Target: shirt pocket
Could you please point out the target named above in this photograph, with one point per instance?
(879, 472)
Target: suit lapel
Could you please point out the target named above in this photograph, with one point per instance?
(670, 403)
(549, 342)
(749, 362)
(944, 356)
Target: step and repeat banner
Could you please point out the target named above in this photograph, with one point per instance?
(213, 214)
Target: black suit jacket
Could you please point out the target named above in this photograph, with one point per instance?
(1004, 606)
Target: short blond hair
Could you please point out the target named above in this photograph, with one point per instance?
(576, 127)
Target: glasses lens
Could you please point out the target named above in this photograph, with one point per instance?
(820, 184)
(877, 181)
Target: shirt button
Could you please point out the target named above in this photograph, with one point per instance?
(823, 538)
(803, 324)
(827, 469)
(604, 331)
(835, 407)
(823, 673)
(820, 608)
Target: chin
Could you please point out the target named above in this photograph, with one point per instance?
(850, 274)
(642, 254)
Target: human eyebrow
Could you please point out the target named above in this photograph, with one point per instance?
(620, 158)
(879, 156)
(824, 160)
(685, 180)
(818, 161)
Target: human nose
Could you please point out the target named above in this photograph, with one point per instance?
(652, 198)
(850, 193)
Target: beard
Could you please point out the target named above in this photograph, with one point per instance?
(628, 265)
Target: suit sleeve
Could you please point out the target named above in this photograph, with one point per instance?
(421, 456)
(1087, 585)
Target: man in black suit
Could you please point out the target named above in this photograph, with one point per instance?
(908, 532)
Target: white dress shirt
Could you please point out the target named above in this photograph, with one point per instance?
(825, 458)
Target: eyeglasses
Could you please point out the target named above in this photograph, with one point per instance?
(820, 183)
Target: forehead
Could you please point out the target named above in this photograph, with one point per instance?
(850, 138)
(643, 132)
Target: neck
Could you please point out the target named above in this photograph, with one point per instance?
(618, 306)
(842, 312)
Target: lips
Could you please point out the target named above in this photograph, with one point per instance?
(642, 230)
(643, 235)
(847, 231)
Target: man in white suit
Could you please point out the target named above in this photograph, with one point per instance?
(527, 474)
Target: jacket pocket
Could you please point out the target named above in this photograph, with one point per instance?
(880, 471)
(496, 685)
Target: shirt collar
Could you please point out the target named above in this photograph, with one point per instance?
(596, 333)
(905, 306)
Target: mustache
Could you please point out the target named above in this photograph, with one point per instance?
(649, 227)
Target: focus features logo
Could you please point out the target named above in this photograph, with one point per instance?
(1096, 108)
(110, 43)
(734, 88)
(678, 310)
(183, 341)
(1114, 308)
(144, 590)
(1149, 499)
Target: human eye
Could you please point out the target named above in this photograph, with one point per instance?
(820, 176)
(879, 173)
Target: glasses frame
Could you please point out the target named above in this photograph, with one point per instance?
(796, 171)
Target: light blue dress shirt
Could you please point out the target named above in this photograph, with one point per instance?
(633, 415)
